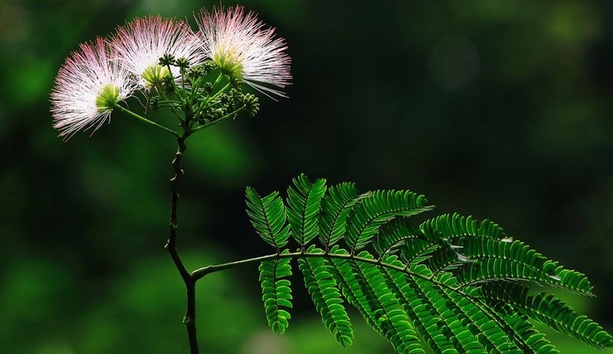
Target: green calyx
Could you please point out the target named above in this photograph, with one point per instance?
(154, 75)
(109, 96)
(229, 65)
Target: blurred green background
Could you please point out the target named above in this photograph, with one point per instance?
(500, 109)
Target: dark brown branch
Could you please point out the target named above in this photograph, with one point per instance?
(171, 246)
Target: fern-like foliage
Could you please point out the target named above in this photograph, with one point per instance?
(449, 283)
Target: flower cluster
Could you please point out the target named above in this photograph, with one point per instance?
(239, 45)
(139, 45)
(87, 88)
(160, 57)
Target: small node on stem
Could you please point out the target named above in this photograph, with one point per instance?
(169, 84)
(209, 66)
(182, 63)
(154, 103)
(207, 87)
(235, 99)
(252, 104)
(236, 82)
(167, 59)
(198, 71)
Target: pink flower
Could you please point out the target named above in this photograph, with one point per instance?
(142, 42)
(243, 49)
(87, 88)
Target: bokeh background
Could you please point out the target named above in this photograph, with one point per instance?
(499, 109)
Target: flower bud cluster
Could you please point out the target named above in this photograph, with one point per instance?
(202, 100)
(198, 74)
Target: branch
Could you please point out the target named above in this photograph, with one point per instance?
(204, 271)
(171, 246)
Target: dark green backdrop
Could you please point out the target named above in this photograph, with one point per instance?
(500, 109)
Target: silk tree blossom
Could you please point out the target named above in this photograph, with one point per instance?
(87, 89)
(243, 49)
(142, 42)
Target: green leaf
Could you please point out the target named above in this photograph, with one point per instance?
(421, 310)
(451, 283)
(377, 209)
(267, 215)
(461, 317)
(494, 259)
(393, 235)
(449, 226)
(524, 334)
(335, 208)
(548, 309)
(391, 318)
(488, 254)
(346, 274)
(304, 202)
(276, 292)
(326, 297)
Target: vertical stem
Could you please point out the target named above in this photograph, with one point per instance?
(171, 246)
(190, 316)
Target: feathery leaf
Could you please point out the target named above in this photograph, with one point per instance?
(304, 202)
(378, 208)
(268, 217)
(325, 295)
(335, 208)
(276, 292)
(392, 320)
(451, 283)
(548, 309)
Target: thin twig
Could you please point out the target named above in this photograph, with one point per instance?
(143, 119)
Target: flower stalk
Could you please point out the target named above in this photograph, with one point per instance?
(143, 119)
